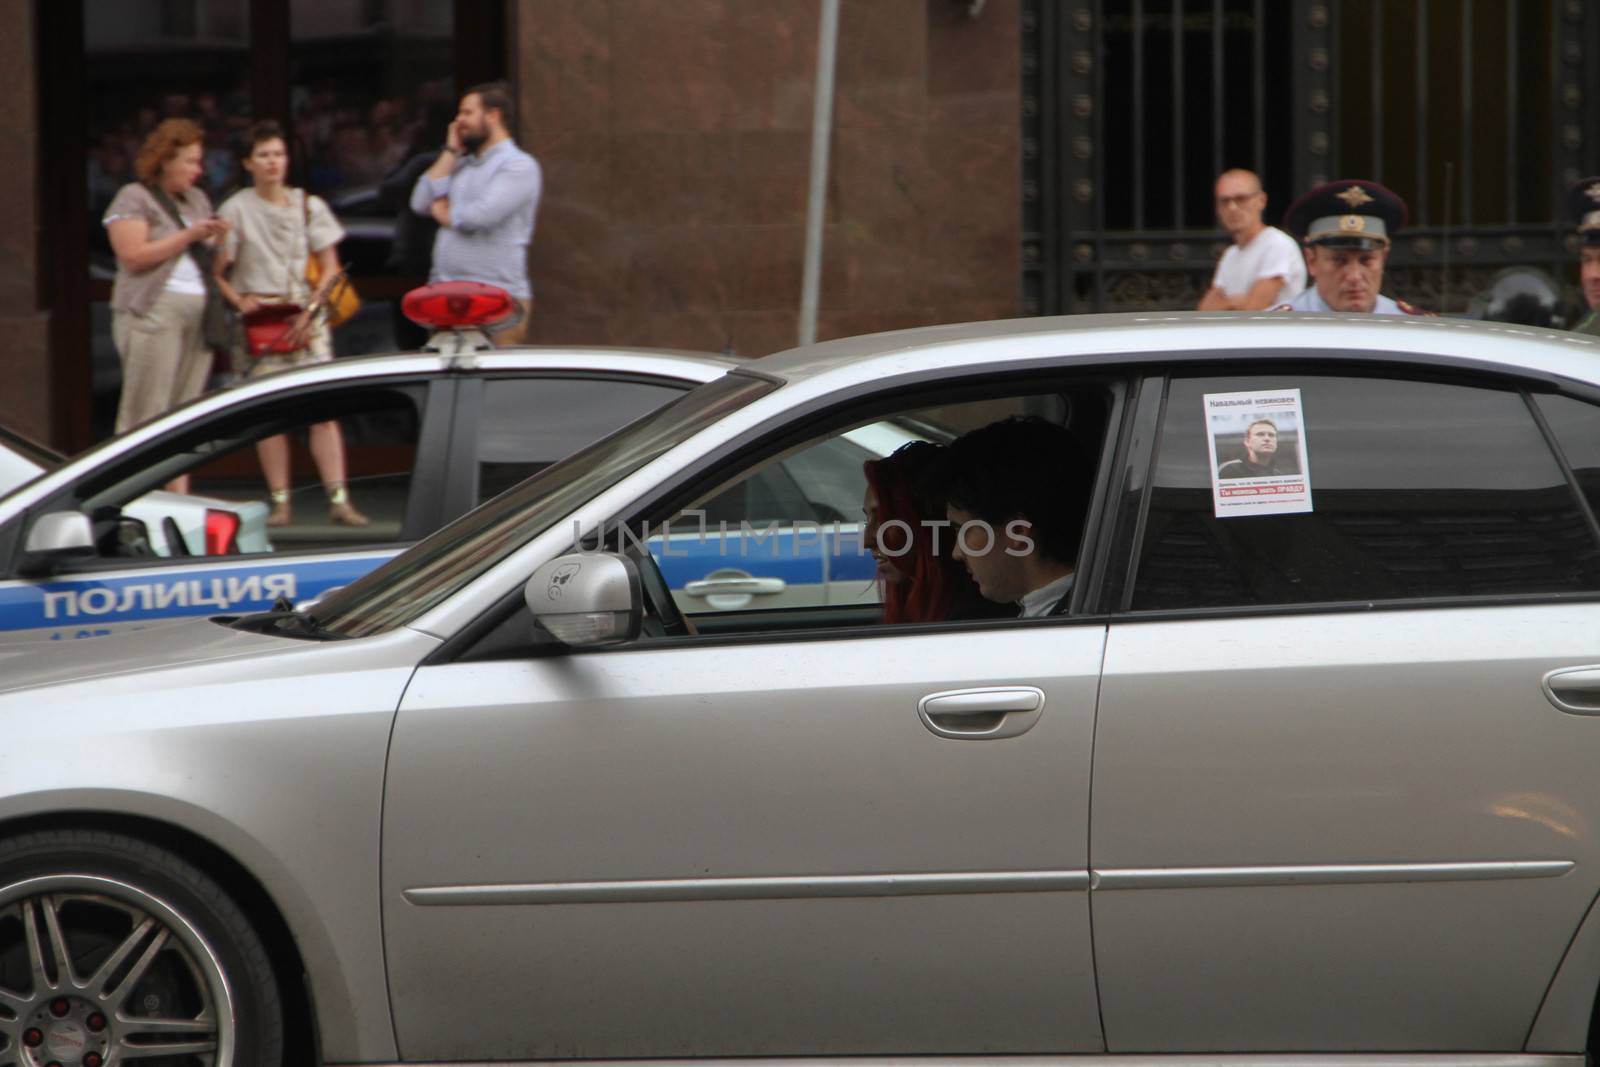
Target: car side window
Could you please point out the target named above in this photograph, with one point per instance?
(830, 477)
(851, 527)
(526, 424)
(768, 495)
(139, 509)
(1417, 489)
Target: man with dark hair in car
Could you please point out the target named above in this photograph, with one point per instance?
(1017, 493)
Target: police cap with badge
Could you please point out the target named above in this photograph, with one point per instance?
(1350, 213)
(1583, 205)
(1354, 215)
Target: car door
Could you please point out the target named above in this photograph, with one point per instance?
(394, 433)
(765, 841)
(1336, 805)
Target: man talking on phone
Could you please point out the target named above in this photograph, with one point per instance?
(483, 191)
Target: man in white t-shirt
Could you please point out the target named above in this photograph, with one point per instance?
(1263, 266)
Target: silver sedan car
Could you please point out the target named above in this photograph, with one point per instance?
(1299, 766)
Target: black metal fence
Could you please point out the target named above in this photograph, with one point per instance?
(1478, 112)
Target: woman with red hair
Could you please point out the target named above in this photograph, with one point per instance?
(161, 229)
(920, 580)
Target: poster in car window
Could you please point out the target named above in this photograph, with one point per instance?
(1258, 450)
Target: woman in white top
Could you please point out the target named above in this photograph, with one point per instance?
(156, 226)
(274, 230)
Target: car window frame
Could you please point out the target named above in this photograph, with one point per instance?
(490, 636)
(1125, 539)
(1542, 417)
(434, 417)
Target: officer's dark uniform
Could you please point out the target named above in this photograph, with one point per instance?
(1349, 213)
(1583, 205)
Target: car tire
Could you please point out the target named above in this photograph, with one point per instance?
(155, 951)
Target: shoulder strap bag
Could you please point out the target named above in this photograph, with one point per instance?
(342, 299)
(218, 326)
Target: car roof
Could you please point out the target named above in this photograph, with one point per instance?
(690, 365)
(1202, 336)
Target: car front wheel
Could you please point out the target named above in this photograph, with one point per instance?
(114, 950)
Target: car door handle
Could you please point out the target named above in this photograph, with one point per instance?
(982, 714)
(1574, 689)
(734, 587)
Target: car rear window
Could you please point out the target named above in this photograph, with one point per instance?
(1417, 489)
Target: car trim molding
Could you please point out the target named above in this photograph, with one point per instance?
(1249, 1059)
(1332, 874)
(685, 889)
(905, 885)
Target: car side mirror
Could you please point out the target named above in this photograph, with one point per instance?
(587, 599)
(57, 538)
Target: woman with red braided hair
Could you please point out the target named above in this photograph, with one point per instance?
(920, 580)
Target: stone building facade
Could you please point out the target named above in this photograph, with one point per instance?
(675, 138)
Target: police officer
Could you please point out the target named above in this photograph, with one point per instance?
(1345, 227)
(1583, 204)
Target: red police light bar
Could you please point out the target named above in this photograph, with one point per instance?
(456, 305)
(222, 529)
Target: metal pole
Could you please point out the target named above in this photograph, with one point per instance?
(817, 199)
(1469, 213)
(1259, 103)
(1512, 158)
(1180, 165)
(1376, 74)
(1216, 88)
(1138, 114)
(1419, 118)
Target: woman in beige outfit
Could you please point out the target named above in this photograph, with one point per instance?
(158, 300)
(273, 230)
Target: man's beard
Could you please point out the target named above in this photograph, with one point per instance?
(474, 141)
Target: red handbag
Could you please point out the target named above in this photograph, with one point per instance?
(269, 330)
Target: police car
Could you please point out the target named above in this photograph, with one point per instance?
(93, 545)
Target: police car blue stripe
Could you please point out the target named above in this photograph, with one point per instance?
(176, 592)
(782, 554)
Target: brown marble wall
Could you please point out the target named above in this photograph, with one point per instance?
(675, 138)
(25, 402)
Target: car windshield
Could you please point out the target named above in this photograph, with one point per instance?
(435, 568)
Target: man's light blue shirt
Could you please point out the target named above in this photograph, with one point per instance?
(494, 196)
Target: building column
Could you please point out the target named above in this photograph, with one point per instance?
(25, 366)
